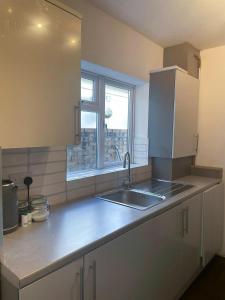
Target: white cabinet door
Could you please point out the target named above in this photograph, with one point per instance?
(185, 136)
(213, 220)
(191, 225)
(39, 74)
(141, 264)
(63, 284)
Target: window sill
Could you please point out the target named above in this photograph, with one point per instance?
(91, 173)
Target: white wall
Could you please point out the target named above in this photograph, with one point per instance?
(109, 43)
(212, 110)
(141, 124)
(141, 110)
(112, 44)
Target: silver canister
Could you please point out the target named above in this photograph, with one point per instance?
(10, 206)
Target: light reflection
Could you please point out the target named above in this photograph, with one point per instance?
(39, 25)
(73, 42)
(10, 10)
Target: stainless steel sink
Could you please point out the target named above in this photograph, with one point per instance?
(132, 199)
(164, 188)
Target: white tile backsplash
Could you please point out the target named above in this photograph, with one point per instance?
(57, 199)
(47, 166)
(48, 179)
(80, 183)
(8, 171)
(106, 186)
(106, 178)
(48, 190)
(80, 193)
(12, 160)
(46, 157)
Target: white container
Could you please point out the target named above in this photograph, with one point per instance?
(24, 220)
(40, 215)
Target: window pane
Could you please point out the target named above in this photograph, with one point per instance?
(84, 156)
(116, 123)
(87, 89)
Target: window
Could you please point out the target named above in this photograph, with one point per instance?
(116, 123)
(87, 89)
(106, 124)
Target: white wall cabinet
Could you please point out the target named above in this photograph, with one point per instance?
(213, 222)
(173, 112)
(185, 135)
(39, 74)
(63, 284)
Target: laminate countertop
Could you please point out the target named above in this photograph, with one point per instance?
(74, 229)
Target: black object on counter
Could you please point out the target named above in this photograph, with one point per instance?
(28, 181)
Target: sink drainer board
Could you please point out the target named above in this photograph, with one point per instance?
(145, 195)
(163, 188)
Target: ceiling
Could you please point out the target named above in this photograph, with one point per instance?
(170, 22)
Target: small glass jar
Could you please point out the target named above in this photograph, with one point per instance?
(39, 208)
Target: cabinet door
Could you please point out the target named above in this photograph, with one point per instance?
(39, 74)
(213, 215)
(191, 225)
(161, 113)
(141, 264)
(1, 214)
(63, 284)
(185, 136)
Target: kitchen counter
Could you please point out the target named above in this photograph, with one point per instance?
(74, 229)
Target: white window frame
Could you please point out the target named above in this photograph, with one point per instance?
(98, 106)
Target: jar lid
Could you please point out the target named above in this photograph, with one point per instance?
(38, 199)
(7, 182)
(22, 204)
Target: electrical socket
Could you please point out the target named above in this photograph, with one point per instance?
(19, 178)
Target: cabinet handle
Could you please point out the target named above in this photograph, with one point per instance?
(80, 276)
(81, 283)
(182, 223)
(186, 221)
(92, 268)
(77, 124)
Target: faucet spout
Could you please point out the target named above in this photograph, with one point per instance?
(127, 182)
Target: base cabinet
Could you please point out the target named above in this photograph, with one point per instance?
(191, 225)
(137, 264)
(63, 284)
(154, 261)
(213, 216)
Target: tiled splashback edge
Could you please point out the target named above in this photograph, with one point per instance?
(47, 166)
